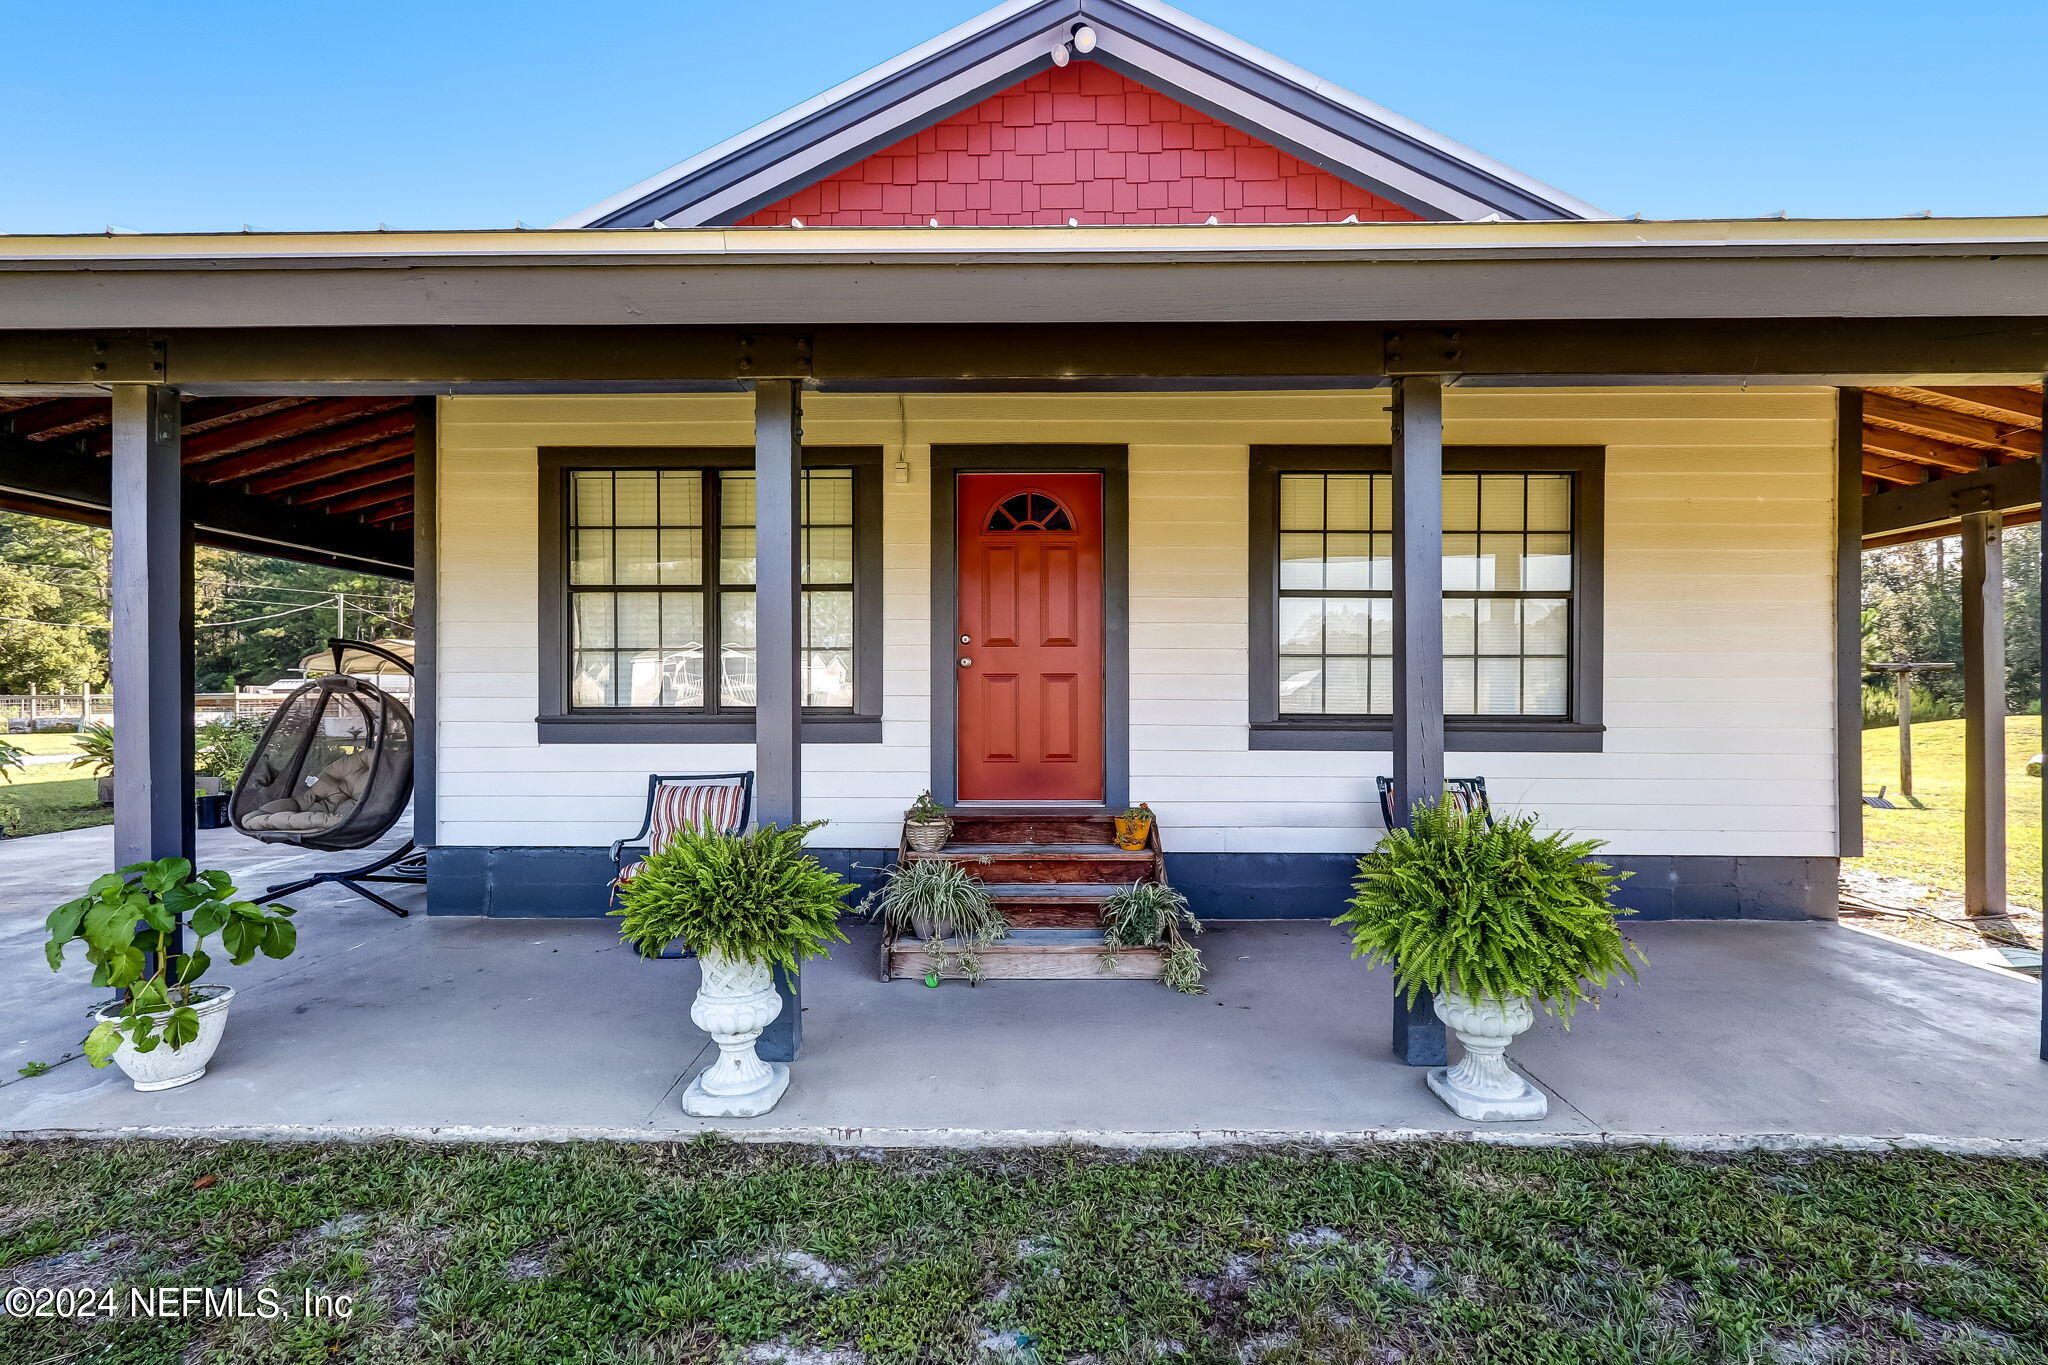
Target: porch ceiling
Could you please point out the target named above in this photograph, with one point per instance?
(1911, 435)
(323, 480)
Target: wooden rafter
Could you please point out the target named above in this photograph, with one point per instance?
(401, 507)
(375, 496)
(386, 451)
(58, 418)
(326, 441)
(1893, 444)
(239, 436)
(1882, 407)
(2012, 404)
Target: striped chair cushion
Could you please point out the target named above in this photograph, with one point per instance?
(687, 805)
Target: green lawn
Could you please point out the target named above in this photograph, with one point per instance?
(1925, 842)
(711, 1251)
(44, 744)
(53, 796)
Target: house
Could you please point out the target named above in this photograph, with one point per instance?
(1083, 407)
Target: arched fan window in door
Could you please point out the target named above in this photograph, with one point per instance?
(1030, 512)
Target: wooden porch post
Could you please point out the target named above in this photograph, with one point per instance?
(778, 615)
(151, 643)
(1983, 714)
(1418, 467)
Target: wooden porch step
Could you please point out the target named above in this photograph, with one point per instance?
(1047, 862)
(1037, 955)
(1071, 828)
(1051, 905)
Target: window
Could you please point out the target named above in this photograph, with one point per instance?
(1517, 613)
(651, 603)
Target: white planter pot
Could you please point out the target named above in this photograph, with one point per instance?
(1482, 1086)
(735, 1001)
(927, 836)
(162, 1068)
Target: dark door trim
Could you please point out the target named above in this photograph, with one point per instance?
(1113, 463)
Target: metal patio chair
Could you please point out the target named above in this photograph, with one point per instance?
(723, 801)
(1468, 792)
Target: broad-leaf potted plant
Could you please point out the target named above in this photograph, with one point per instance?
(1134, 827)
(926, 825)
(1492, 919)
(945, 906)
(747, 903)
(143, 929)
(96, 752)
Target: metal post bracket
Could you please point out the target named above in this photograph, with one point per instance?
(1424, 350)
(774, 355)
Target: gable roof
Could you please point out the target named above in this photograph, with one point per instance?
(1151, 43)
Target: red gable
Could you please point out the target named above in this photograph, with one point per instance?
(1081, 142)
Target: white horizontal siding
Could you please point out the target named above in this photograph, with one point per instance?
(1718, 581)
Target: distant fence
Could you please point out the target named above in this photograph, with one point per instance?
(36, 711)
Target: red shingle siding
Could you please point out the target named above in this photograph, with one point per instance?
(1083, 142)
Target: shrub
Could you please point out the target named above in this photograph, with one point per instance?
(1489, 909)
(223, 746)
(755, 897)
(11, 815)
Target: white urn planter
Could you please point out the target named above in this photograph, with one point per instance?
(1482, 1086)
(165, 1068)
(735, 1001)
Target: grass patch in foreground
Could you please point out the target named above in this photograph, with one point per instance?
(712, 1251)
(1926, 844)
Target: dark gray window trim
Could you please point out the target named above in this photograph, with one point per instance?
(559, 724)
(1113, 463)
(1582, 731)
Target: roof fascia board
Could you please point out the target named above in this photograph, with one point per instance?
(597, 213)
(1162, 48)
(1151, 16)
(822, 135)
(1239, 84)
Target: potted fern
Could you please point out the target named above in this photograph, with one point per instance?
(945, 906)
(143, 929)
(748, 903)
(1492, 919)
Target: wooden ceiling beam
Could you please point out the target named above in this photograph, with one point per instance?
(2012, 403)
(375, 496)
(382, 452)
(60, 417)
(1906, 445)
(389, 512)
(1885, 408)
(204, 414)
(297, 420)
(321, 495)
(326, 441)
(1893, 471)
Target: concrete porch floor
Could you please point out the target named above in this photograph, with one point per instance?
(483, 1026)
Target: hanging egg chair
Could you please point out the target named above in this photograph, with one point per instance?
(332, 770)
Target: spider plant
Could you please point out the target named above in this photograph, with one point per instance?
(945, 905)
(1151, 915)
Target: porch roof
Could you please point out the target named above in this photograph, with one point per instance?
(1372, 273)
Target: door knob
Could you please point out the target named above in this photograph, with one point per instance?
(967, 663)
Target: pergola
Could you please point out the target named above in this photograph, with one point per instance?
(261, 388)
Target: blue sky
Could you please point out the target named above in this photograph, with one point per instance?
(457, 113)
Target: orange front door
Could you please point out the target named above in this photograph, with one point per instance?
(1029, 642)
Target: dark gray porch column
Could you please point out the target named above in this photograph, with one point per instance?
(778, 689)
(1418, 647)
(1984, 713)
(151, 645)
